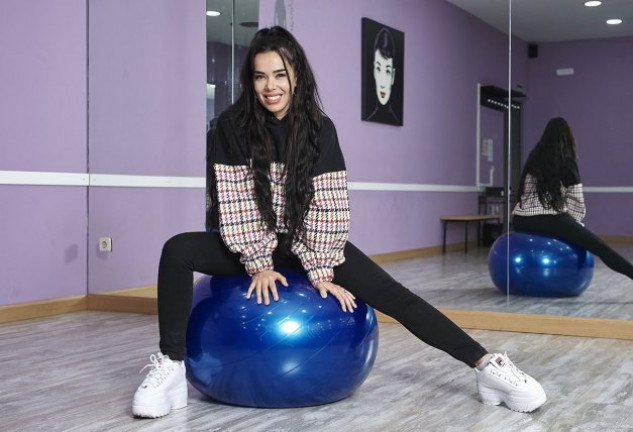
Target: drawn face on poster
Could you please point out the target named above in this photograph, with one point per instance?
(382, 73)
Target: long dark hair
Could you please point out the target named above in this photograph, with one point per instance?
(304, 123)
(547, 161)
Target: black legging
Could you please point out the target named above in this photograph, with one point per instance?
(564, 227)
(206, 253)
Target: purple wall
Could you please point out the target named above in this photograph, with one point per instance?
(43, 232)
(147, 87)
(139, 220)
(597, 101)
(146, 90)
(447, 52)
(43, 79)
(43, 115)
(147, 117)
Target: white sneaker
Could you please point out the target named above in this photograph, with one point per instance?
(500, 381)
(163, 389)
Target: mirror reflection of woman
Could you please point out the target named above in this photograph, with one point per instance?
(551, 200)
(281, 200)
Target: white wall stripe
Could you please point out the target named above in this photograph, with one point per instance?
(143, 181)
(410, 187)
(608, 189)
(36, 178)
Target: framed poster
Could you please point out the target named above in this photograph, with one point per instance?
(382, 73)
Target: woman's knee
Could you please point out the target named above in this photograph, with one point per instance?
(397, 298)
(386, 295)
(176, 244)
(180, 246)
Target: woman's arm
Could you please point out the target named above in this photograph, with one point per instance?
(326, 227)
(575, 202)
(574, 197)
(326, 224)
(241, 226)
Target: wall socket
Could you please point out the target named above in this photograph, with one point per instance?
(105, 244)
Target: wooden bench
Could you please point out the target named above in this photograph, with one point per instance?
(466, 220)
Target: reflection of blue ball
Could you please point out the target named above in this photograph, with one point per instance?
(539, 266)
(300, 351)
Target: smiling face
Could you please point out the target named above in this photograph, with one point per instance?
(384, 75)
(272, 82)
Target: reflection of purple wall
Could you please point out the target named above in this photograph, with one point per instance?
(43, 114)
(447, 52)
(598, 103)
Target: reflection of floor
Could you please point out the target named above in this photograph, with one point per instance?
(460, 281)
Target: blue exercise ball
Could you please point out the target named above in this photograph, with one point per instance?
(540, 266)
(302, 350)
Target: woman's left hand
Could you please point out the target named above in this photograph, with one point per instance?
(345, 298)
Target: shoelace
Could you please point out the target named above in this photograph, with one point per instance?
(515, 372)
(157, 373)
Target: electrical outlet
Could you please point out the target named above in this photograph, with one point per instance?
(105, 244)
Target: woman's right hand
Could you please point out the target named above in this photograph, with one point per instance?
(264, 284)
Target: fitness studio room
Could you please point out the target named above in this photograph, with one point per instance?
(448, 249)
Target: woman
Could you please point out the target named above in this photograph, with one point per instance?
(280, 200)
(551, 199)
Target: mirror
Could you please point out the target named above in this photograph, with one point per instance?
(226, 47)
(570, 63)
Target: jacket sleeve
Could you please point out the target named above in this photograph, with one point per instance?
(326, 225)
(574, 197)
(575, 202)
(241, 226)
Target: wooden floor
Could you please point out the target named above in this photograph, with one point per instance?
(78, 372)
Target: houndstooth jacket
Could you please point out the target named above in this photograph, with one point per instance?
(571, 188)
(326, 224)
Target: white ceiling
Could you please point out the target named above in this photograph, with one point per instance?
(553, 20)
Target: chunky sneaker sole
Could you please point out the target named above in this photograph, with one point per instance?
(524, 404)
(177, 400)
